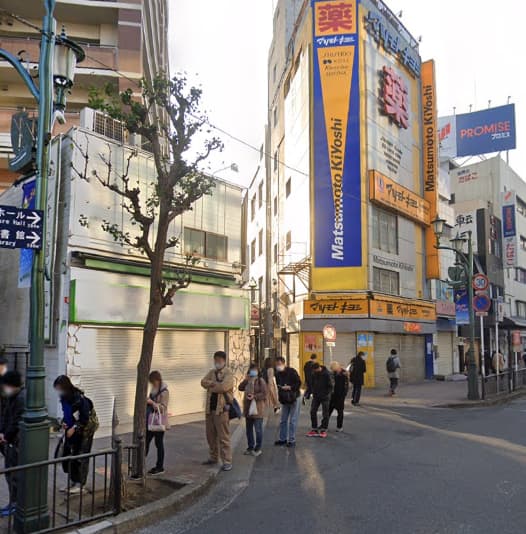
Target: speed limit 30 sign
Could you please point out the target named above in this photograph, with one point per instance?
(480, 282)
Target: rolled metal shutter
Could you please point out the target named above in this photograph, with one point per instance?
(444, 362)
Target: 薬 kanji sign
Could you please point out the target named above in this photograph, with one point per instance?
(395, 96)
(21, 228)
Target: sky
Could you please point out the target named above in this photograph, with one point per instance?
(223, 46)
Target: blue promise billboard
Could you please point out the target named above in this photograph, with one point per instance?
(480, 132)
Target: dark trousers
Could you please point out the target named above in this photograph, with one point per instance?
(11, 460)
(316, 403)
(337, 404)
(393, 384)
(159, 445)
(356, 393)
(254, 426)
(80, 443)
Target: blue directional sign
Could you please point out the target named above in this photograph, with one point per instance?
(21, 228)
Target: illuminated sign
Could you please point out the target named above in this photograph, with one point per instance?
(388, 193)
(402, 309)
(337, 168)
(480, 132)
(382, 32)
(509, 229)
(430, 161)
(329, 308)
(395, 97)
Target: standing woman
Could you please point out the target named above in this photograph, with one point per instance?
(157, 403)
(357, 371)
(80, 424)
(272, 388)
(254, 404)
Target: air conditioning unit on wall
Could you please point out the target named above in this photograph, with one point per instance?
(100, 123)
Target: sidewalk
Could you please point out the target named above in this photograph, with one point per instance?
(431, 394)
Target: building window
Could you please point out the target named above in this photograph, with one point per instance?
(288, 240)
(275, 253)
(253, 251)
(253, 208)
(385, 231)
(520, 275)
(386, 281)
(521, 308)
(260, 244)
(194, 242)
(275, 206)
(523, 242)
(260, 193)
(205, 244)
(521, 207)
(288, 187)
(276, 160)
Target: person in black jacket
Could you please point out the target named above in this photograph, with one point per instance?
(321, 391)
(14, 406)
(307, 372)
(357, 371)
(80, 424)
(341, 388)
(289, 384)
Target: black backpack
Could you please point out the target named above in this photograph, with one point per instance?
(390, 364)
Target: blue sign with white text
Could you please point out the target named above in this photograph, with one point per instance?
(482, 132)
(461, 306)
(508, 221)
(21, 228)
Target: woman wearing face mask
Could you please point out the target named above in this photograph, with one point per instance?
(80, 424)
(254, 403)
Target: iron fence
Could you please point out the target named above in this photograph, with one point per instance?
(100, 497)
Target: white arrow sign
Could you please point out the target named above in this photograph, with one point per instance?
(34, 238)
(34, 218)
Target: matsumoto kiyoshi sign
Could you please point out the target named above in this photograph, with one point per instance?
(480, 132)
(336, 102)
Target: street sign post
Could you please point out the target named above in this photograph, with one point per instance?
(21, 228)
(329, 334)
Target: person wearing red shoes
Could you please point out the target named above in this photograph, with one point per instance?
(322, 386)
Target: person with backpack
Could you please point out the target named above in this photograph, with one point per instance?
(322, 386)
(157, 419)
(80, 424)
(289, 384)
(14, 405)
(219, 385)
(254, 404)
(341, 389)
(357, 370)
(393, 367)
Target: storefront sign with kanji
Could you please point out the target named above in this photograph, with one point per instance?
(395, 97)
(20, 228)
(330, 308)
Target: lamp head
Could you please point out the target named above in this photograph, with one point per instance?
(438, 226)
(458, 243)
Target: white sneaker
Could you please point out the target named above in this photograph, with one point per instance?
(77, 490)
(67, 488)
(339, 429)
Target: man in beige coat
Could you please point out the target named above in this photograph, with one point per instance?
(219, 385)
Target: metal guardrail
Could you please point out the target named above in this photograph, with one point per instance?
(505, 382)
(103, 497)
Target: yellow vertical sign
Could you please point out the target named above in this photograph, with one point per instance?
(365, 344)
(430, 157)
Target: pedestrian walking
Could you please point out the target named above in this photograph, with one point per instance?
(80, 423)
(340, 378)
(358, 368)
(497, 362)
(393, 367)
(289, 384)
(272, 388)
(307, 373)
(254, 404)
(157, 419)
(219, 385)
(321, 390)
(9, 432)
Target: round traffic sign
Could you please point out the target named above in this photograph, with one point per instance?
(329, 333)
(480, 282)
(481, 303)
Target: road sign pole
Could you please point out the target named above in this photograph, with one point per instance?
(482, 359)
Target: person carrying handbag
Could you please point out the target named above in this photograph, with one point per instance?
(254, 403)
(157, 419)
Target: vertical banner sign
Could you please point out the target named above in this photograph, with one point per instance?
(509, 229)
(26, 255)
(336, 135)
(430, 156)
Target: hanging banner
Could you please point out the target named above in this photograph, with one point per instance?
(26, 255)
(430, 157)
(509, 229)
(462, 306)
(337, 184)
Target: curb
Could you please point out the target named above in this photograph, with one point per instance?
(495, 401)
(162, 508)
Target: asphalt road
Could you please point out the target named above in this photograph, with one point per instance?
(393, 471)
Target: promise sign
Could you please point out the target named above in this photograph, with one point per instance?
(336, 135)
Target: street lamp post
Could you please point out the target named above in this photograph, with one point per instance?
(58, 58)
(466, 262)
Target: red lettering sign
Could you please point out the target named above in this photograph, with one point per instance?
(335, 18)
(395, 98)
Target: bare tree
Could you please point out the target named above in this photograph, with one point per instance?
(168, 117)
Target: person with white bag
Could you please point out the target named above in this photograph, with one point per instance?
(157, 419)
(254, 404)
